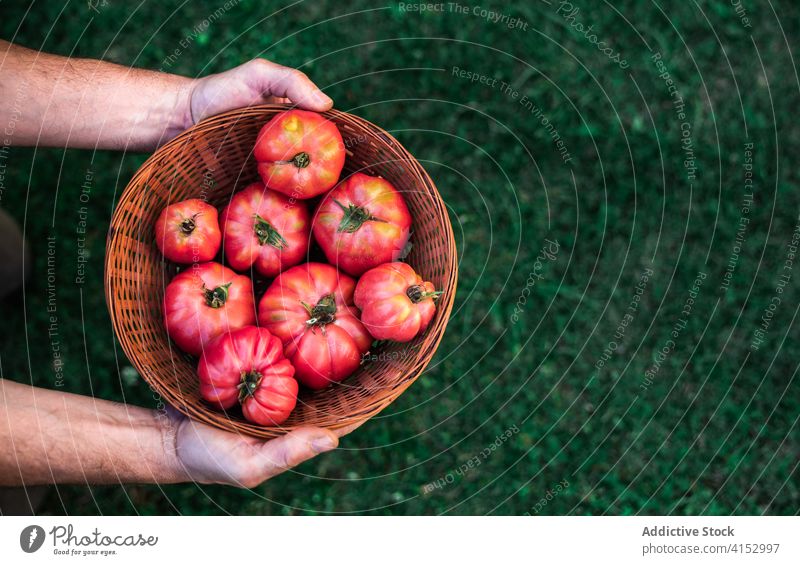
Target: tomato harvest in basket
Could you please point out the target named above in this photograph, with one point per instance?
(205, 301)
(310, 308)
(315, 322)
(362, 223)
(247, 367)
(395, 302)
(188, 232)
(299, 153)
(265, 229)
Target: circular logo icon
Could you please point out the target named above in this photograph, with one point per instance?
(31, 538)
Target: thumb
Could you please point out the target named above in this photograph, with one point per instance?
(285, 452)
(284, 82)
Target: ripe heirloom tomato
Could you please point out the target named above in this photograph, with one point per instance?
(188, 232)
(362, 223)
(395, 302)
(266, 229)
(299, 153)
(205, 301)
(247, 367)
(310, 308)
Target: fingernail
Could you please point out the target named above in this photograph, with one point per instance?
(322, 97)
(323, 443)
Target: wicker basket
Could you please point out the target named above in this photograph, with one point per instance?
(211, 161)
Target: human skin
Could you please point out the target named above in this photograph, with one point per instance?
(49, 436)
(83, 103)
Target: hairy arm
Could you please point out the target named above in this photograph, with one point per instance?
(53, 437)
(49, 100)
(48, 436)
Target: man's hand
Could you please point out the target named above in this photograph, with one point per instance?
(49, 437)
(256, 82)
(83, 103)
(205, 454)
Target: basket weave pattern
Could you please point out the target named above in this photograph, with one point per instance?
(212, 161)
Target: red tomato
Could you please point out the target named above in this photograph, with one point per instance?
(247, 367)
(205, 301)
(188, 232)
(299, 153)
(266, 229)
(310, 308)
(362, 223)
(395, 302)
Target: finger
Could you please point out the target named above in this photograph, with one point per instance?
(285, 452)
(284, 82)
(341, 432)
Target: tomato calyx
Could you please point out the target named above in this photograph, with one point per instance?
(216, 297)
(301, 160)
(323, 313)
(267, 234)
(354, 217)
(249, 384)
(416, 293)
(188, 225)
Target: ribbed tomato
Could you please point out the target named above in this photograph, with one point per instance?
(362, 223)
(299, 153)
(205, 301)
(265, 229)
(310, 308)
(188, 232)
(247, 366)
(395, 302)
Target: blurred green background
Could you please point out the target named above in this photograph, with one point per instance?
(715, 431)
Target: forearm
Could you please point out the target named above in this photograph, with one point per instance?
(48, 100)
(53, 437)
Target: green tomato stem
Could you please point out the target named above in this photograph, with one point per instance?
(188, 225)
(301, 160)
(267, 234)
(323, 313)
(249, 384)
(354, 217)
(216, 297)
(416, 293)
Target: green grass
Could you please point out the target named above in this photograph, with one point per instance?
(716, 431)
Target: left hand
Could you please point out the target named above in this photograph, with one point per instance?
(256, 82)
(204, 454)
